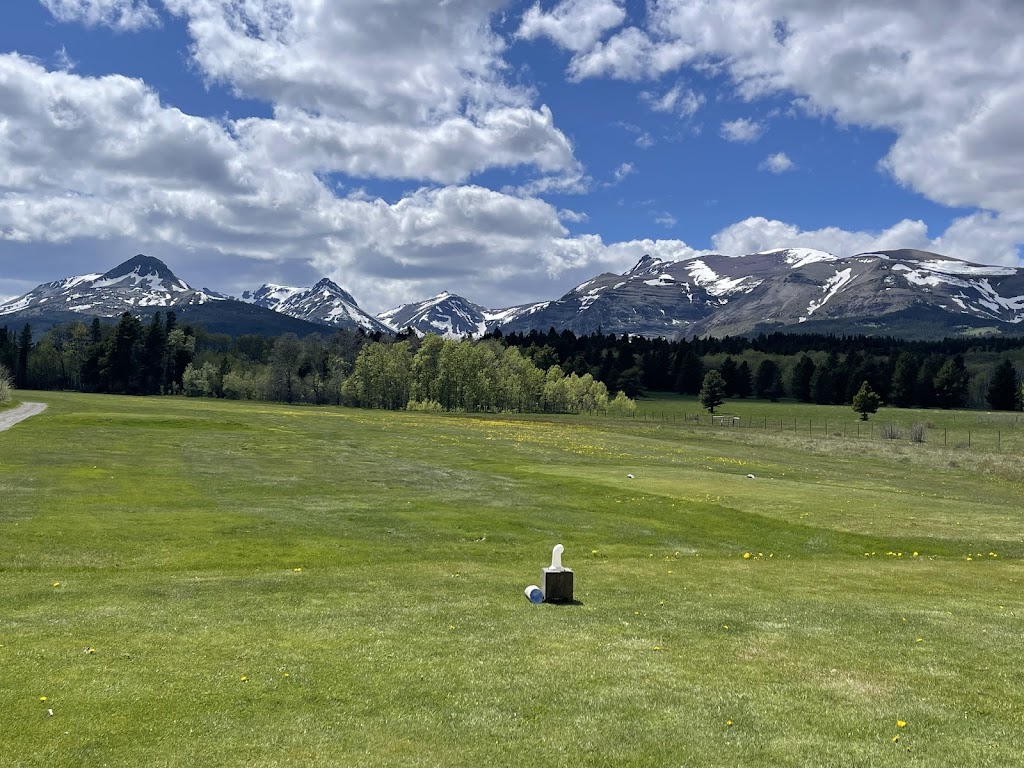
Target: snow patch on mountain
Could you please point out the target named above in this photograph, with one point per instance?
(715, 284)
(832, 286)
(800, 257)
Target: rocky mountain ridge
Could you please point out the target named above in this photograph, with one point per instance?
(902, 293)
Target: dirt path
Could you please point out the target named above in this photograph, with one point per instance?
(12, 416)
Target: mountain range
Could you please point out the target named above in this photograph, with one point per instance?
(907, 293)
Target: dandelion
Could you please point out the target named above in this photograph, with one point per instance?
(895, 739)
(90, 649)
(42, 698)
(657, 648)
(56, 583)
(725, 626)
(901, 723)
(746, 555)
(916, 554)
(919, 640)
(296, 570)
(670, 571)
(244, 679)
(728, 723)
(593, 551)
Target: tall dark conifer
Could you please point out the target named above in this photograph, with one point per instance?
(1003, 392)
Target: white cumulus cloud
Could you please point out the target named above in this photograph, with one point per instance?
(575, 25)
(125, 15)
(778, 162)
(742, 130)
(947, 77)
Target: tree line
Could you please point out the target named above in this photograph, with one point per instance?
(825, 369)
(157, 355)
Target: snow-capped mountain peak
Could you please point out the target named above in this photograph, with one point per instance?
(139, 283)
(269, 295)
(446, 314)
(325, 303)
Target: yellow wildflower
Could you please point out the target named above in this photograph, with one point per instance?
(901, 723)
(746, 555)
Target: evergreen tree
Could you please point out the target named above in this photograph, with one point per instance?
(768, 381)
(803, 374)
(730, 375)
(631, 382)
(823, 385)
(950, 383)
(1003, 390)
(712, 392)
(924, 388)
(902, 391)
(866, 401)
(744, 380)
(8, 350)
(122, 365)
(21, 366)
(154, 356)
(689, 374)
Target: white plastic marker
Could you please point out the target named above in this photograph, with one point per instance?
(533, 594)
(556, 558)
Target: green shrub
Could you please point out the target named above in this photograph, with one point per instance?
(6, 384)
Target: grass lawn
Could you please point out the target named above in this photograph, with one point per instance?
(202, 583)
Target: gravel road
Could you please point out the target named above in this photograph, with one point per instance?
(12, 416)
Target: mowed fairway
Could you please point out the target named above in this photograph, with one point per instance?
(202, 583)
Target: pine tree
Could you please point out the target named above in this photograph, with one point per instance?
(803, 373)
(689, 374)
(904, 380)
(712, 393)
(730, 375)
(950, 383)
(766, 373)
(24, 347)
(866, 401)
(1002, 392)
(744, 380)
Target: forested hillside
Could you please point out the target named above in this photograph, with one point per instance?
(533, 371)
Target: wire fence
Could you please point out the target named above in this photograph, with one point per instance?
(999, 434)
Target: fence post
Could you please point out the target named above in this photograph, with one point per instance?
(968, 438)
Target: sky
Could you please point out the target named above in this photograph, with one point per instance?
(503, 150)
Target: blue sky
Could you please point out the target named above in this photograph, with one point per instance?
(501, 150)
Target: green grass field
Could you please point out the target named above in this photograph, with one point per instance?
(206, 583)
